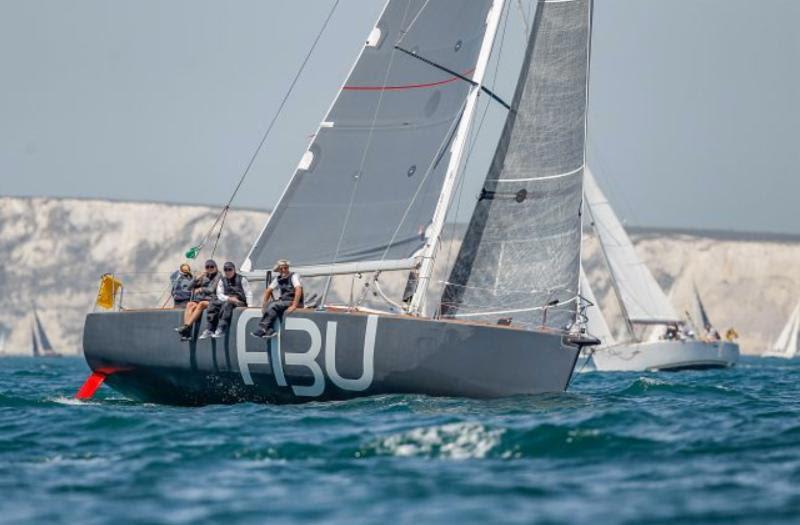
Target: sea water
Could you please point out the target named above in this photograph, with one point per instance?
(693, 447)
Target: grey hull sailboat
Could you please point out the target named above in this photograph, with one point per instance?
(370, 197)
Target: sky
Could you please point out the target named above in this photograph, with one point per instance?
(693, 121)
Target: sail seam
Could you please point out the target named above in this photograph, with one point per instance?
(548, 177)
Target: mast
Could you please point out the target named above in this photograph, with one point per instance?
(585, 144)
(418, 301)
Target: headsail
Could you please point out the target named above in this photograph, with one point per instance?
(641, 297)
(595, 320)
(521, 251)
(368, 185)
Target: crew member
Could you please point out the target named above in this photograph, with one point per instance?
(204, 290)
(290, 297)
(182, 281)
(233, 291)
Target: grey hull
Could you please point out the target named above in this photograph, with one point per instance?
(322, 356)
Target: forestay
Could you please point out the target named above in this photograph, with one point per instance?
(521, 251)
(642, 299)
(595, 320)
(368, 185)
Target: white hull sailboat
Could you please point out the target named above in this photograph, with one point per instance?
(691, 354)
(644, 305)
(788, 344)
(371, 195)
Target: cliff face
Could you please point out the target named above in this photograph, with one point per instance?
(747, 281)
(55, 250)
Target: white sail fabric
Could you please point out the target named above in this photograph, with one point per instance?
(520, 255)
(595, 321)
(787, 343)
(642, 299)
(368, 185)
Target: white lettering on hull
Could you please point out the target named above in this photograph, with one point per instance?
(368, 371)
(244, 357)
(308, 358)
(277, 356)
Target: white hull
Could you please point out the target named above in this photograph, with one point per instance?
(661, 355)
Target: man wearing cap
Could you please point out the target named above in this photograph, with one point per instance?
(290, 297)
(233, 291)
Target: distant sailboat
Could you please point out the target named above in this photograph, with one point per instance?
(643, 305)
(40, 343)
(788, 343)
(2, 342)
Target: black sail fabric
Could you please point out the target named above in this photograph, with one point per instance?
(369, 183)
(521, 250)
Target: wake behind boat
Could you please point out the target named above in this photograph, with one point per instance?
(644, 305)
(371, 196)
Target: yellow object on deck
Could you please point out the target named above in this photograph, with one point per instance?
(107, 294)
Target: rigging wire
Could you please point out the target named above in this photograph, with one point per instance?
(224, 212)
(367, 145)
(471, 148)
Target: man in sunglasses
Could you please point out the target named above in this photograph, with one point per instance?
(203, 291)
(290, 298)
(233, 291)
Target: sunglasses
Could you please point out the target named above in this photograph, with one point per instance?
(211, 267)
(228, 269)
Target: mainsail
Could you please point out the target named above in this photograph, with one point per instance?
(641, 297)
(521, 254)
(367, 187)
(40, 343)
(788, 341)
(700, 311)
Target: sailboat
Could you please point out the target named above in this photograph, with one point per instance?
(40, 343)
(644, 306)
(370, 196)
(788, 343)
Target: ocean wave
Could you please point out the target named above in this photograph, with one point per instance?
(451, 441)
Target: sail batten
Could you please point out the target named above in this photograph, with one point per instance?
(524, 235)
(367, 187)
